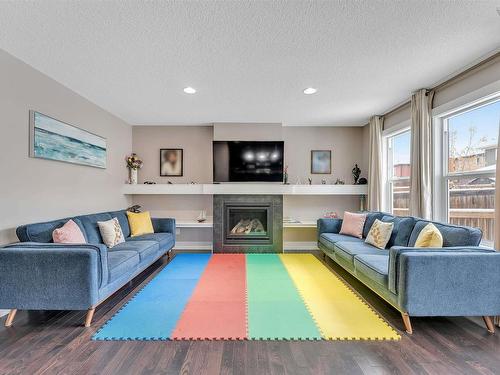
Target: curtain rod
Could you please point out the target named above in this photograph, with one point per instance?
(450, 81)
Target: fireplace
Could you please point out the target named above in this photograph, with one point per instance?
(248, 223)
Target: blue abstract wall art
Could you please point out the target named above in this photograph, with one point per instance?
(55, 140)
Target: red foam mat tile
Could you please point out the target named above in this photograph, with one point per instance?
(217, 308)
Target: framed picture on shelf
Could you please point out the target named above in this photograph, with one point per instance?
(171, 162)
(321, 162)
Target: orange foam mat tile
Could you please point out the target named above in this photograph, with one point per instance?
(217, 308)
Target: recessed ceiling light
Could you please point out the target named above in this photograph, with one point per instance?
(310, 91)
(189, 90)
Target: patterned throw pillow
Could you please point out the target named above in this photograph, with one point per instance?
(430, 236)
(379, 234)
(111, 232)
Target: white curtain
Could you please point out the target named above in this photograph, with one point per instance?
(375, 164)
(421, 154)
(497, 199)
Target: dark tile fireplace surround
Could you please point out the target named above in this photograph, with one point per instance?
(248, 224)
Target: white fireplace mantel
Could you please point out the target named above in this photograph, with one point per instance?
(244, 188)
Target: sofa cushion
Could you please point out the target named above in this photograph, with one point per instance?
(430, 236)
(379, 234)
(111, 232)
(375, 267)
(140, 223)
(347, 250)
(166, 240)
(403, 226)
(121, 263)
(370, 219)
(453, 235)
(89, 223)
(42, 232)
(329, 239)
(352, 224)
(70, 232)
(122, 219)
(145, 249)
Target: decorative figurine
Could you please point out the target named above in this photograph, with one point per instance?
(285, 176)
(310, 180)
(323, 182)
(135, 208)
(330, 215)
(339, 182)
(356, 173)
(202, 216)
(362, 181)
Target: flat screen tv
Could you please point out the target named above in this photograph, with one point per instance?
(248, 161)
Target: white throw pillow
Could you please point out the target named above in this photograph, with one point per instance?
(379, 234)
(111, 232)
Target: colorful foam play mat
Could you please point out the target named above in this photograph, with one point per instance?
(246, 297)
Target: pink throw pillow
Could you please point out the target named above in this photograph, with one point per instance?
(68, 233)
(353, 224)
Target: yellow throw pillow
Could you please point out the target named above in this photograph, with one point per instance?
(379, 234)
(430, 236)
(140, 223)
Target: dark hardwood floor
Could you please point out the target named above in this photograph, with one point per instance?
(56, 343)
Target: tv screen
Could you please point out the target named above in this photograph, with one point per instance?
(258, 161)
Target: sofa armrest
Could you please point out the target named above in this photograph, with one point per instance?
(395, 253)
(449, 283)
(328, 226)
(164, 225)
(44, 276)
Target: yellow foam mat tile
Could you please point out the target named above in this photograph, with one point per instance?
(339, 313)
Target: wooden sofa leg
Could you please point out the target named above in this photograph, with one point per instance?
(407, 322)
(489, 324)
(89, 316)
(10, 317)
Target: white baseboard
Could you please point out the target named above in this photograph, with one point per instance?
(300, 246)
(207, 246)
(193, 246)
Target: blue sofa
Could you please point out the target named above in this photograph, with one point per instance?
(460, 279)
(37, 274)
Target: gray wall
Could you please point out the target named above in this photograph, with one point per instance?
(348, 145)
(34, 189)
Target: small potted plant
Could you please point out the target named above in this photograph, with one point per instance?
(133, 164)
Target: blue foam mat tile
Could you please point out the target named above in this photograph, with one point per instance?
(153, 312)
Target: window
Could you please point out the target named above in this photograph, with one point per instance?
(398, 173)
(470, 157)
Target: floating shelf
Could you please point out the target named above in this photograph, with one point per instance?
(244, 188)
(193, 224)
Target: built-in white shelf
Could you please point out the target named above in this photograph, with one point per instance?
(193, 224)
(254, 189)
(300, 224)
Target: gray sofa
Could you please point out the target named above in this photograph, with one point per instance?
(460, 279)
(37, 274)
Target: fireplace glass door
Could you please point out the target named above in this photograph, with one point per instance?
(247, 223)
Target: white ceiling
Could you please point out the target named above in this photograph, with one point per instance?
(248, 60)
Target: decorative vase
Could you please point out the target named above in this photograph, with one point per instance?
(133, 176)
